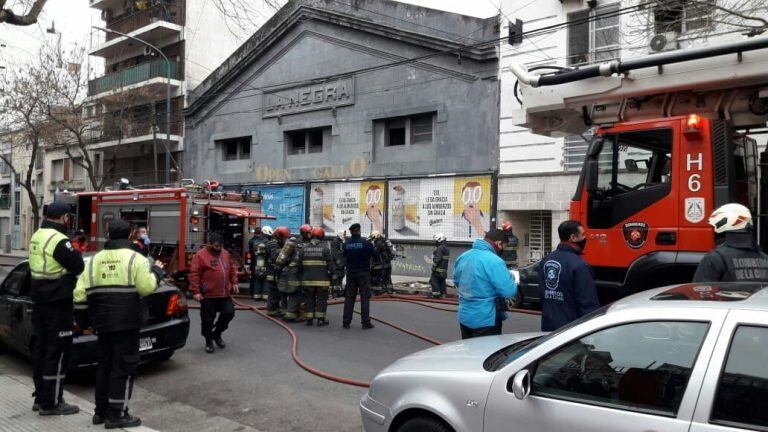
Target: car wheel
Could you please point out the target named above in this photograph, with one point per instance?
(424, 424)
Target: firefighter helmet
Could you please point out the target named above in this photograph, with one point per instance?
(439, 237)
(282, 232)
(266, 229)
(318, 233)
(374, 235)
(730, 217)
(305, 229)
(506, 226)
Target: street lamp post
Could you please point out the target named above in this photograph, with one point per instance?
(167, 98)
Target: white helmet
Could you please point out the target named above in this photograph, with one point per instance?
(439, 237)
(374, 234)
(341, 234)
(266, 229)
(730, 217)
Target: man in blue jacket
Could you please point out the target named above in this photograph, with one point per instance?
(357, 253)
(483, 282)
(566, 285)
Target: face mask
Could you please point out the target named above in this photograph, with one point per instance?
(214, 250)
(145, 239)
(581, 244)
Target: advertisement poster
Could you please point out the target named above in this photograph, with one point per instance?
(336, 206)
(458, 207)
(286, 203)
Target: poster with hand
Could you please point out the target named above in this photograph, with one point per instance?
(472, 196)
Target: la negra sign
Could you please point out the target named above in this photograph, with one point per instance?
(294, 100)
(357, 167)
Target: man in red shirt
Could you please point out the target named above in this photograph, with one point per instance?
(212, 280)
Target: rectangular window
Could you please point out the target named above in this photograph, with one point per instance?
(235, 148)
(574, 152)
(305, 141)
(682, 16)
(743, 388)
(402, 131)
(596, 39)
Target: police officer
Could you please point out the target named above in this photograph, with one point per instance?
(288, 263)
(440, 258)
(357, 254)
(317, 267)
(273, 246)
(738, 258)
(54, 265)
(509, 254)
(566, 285)
(337, 251)
(108, 298)
(381, 261)
(257, 247)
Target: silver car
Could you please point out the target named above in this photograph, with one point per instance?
(687, 358)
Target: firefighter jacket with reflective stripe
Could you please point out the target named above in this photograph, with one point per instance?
(337, 252)
(738, 259)
(212, 275)
(382, 257)
(111, 288)
(316, 264)
(273, 250)
(257, 246)
(54, 264)
(509, 253)
(289, 265)
(440, 258)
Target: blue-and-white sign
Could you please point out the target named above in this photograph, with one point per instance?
(286, 203)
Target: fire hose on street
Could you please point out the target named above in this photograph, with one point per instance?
(402, 298)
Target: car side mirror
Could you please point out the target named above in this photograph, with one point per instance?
(591, 175)
(520, 384)
(631, 165)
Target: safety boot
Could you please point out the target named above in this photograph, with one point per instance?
(322, 322)
(124, 421)
(310, 323)
(62, 408)
(220, 342)
(209, 346)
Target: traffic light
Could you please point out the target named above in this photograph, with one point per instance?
(515, 36)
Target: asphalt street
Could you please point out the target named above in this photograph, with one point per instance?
(253, 384)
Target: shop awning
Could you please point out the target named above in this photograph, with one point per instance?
(241, 212)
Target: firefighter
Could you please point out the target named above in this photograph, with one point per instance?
(317, 268)
(509, 254)
(80, 241)
(440, 258)
(387, 276)
(306, 233)
(54, 265)
(108, 298)
(738, 258)
(381, 262)
(257, 247)
(213, 280)
(289, 275)
(339, 264)
(273, 246)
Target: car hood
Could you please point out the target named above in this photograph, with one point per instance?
(466, 355)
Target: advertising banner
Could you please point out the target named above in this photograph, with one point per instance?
(336, 206)
(286, 203)
(458, 207)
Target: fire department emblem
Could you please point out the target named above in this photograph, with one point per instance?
(635, 234)
(694, 210)
(552, 274)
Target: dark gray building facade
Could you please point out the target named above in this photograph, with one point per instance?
(322, 112)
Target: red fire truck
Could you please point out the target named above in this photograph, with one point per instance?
(178, 220)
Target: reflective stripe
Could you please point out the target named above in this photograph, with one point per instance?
(48, 276)
(270, 278)
(111, 290)
(90, 271)
(130, 265)
(317, 283)
(313, 263)
(53, 377)
(58, 379)
(79, 306)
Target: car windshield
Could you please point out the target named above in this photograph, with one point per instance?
(508, 354)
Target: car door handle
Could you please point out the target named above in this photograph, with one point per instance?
(666, 238)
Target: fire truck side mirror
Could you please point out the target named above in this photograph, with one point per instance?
(591, 175)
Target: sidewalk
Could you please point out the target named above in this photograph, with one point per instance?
(16, 413)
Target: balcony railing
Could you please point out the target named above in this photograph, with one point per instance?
(133, 75)
(128, 23)
(115, 129)
(70, 185)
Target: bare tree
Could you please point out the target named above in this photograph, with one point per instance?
(244, 17)
(29, 17)
(20, 115)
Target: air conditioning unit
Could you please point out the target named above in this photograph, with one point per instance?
(664, 42)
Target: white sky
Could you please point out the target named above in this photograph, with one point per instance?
(73, 19)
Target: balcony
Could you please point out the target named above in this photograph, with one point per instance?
(68, 185)
(151, 75)
(141, 131)
(127, 23)
(160, 25)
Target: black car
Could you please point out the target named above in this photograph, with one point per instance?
(165, 331)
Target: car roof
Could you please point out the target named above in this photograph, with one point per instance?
(711, 295)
